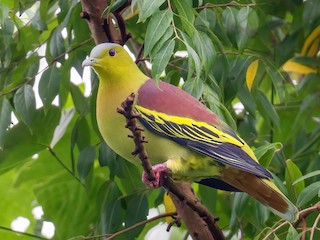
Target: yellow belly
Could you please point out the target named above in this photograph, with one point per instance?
(186, 165)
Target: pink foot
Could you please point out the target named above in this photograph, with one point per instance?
(159, 170)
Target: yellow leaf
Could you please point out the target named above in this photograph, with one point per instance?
(310, 39)
(169, 206)
(251, 73)
(314, 48)
(291, 66)
(130, 14)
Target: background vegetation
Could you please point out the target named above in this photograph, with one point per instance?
(254, 63)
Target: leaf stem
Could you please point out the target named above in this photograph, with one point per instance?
(29, 79)
(22, 233)
(230, 4)
(173, 24)
(64, 166)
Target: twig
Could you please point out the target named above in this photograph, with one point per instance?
(314, 226)
(126, 109)
(305, 213)
(23, 233)
(171, 214)
(138, 58)
(122, 28)
(302, 218)
(275, 229)
(111, 236)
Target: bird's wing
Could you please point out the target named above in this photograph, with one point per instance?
(169, 111)
(203, 138)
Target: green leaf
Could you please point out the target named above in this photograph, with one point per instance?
(293, 234)
(5, 119)
(14, 204)
(193, 58)
(279, 183)
(44, 5)
(211, 96)
(186, 15)
(247, 100)
(72, 208)
(266, 152)
(157, 27)
(128, 176)
(161, 42)
(240, 203)
(148, 8)
(308, 194)
(79, 100)
(265, 108)
(83, 133)
(206, 19)
(25, 103)
(209, 197)
(205, 49)
(19, 74)
(111, 211)
(161, 59)
(60, 130)
(228, 117)
(20, 143)
(85, 162)
(112, 6)
(7, 31)
(247, 24)
(278, 79)
(194, 86)
(29, 37)
(311, 11)
(106, 154)
(49, 85)
(137, 209)
(56, 43)
(309, 61)
(309, 175)
(292, 173)
(229, 18)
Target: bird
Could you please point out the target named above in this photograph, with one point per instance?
(184, 137)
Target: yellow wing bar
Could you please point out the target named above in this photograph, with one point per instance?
(186, 128)
(224, 147)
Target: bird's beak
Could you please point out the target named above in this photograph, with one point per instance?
(88, 62)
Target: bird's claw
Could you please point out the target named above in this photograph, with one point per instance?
(159, 171)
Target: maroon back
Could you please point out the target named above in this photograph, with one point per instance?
(171, 100)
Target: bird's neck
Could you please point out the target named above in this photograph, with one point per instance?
(113, 90)
(110, 122)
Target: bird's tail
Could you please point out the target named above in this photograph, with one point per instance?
(263, 190)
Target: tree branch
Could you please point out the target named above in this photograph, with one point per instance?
(305, 213)
(114, 235)
(105, 29)
(92, 11)
(202, 225)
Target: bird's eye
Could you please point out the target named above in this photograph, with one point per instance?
(112, 52)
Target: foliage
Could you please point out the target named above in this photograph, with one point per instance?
(262, 55)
